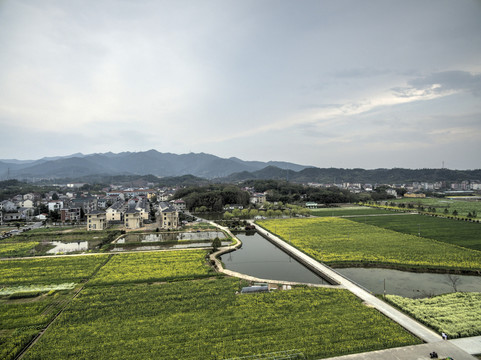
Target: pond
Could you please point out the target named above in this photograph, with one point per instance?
(260, 258)
(410, 284)
(61, 247)
(186, 245)
(171, 236)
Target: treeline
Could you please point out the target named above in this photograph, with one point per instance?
(212, 197)
(288, 192)
(10, 188)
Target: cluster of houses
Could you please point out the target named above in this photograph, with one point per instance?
(411, 188)
(128, 207)
(133, 215)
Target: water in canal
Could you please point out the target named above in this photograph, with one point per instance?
(410, 284)
(260, 258)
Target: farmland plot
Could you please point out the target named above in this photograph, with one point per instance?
(206, 319)
(339, 241)
(457, 314)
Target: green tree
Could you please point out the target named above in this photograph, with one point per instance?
(216, 244)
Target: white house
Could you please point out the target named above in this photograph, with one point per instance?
(55, 205)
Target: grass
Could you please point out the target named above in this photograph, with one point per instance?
(342, 242)
(461, 233)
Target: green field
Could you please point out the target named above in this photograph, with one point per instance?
(37, 242)
(153, 266)
(349, 211)
(462, 206)
(46, 271)
(14, 249)
(65, 235)
(461, 233)
(456, 314)
(205, 319)
(135, 313)
(341, 242)
(31, 294)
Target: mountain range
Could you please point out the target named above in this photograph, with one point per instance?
(134, 163)
(167, 165)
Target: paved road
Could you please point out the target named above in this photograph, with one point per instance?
(458, 349)
(444, 349)
(405, 321)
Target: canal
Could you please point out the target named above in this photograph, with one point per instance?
(260, 258)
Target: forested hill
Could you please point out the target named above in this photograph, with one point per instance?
(337, 175)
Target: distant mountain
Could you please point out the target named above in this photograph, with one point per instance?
(134, 163)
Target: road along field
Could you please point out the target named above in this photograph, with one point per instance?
(342, 242)
(161, 305)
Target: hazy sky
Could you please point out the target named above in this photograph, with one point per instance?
(326, 83)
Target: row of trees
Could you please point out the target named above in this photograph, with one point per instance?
(212, 197)
(288, 192)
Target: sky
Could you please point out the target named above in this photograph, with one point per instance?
(347, 84)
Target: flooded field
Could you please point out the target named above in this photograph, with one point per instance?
(187, 245)
(61, 247)
(411, 284)
(173, 236)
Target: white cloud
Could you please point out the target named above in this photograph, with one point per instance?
(181, 76)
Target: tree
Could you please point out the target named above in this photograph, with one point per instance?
(55, 196)
(54, 216)
(455, 212)
(216, 244)
(454, 280)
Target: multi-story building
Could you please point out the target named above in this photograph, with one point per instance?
(133, 218)
(116, 212)
(168, 216)
(96, 220)
(70, 214)
(144, 208)
(179, 204)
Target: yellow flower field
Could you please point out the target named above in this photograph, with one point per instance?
(338, 240)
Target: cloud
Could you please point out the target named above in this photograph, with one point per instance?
(441, 84)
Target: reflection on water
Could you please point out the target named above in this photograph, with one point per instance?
(410, 284)
(260, 258)
(61, 247)
(166, 246)
(160, 237)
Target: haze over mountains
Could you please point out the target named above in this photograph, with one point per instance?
(81, 167)
(134, 163)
